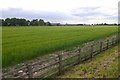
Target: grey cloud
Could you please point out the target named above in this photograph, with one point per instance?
(85, 11)
(78, 15)
(29, 14)
(90, 13)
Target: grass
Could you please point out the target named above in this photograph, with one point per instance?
(25, 43)
(104, 65)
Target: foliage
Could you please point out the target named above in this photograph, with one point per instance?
(23, 22)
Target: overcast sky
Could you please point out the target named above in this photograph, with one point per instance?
(63, 11)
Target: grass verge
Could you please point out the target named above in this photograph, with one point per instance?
(103, 65)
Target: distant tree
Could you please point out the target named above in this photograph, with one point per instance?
(1, 22)
(34, 22)
(48, 24)
(58, 24)
(114, 24)
(7, 22)
(105, 24)
(13, 22)
(80, 24)
(23, 22)
(41, 22)
(28, 23)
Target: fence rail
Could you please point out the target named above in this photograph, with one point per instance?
(57, 63)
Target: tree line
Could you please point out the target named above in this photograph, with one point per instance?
(38, 22)
(23, 22)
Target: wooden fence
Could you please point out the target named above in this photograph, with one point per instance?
(57, 63)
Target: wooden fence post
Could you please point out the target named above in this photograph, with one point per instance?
(116, 40)
(91, 55)
(101, 44)
(79, 56)
(112, 41)
(60, 63)
(107, 44)
(29, 68)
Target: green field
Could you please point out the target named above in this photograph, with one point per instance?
(25, 43)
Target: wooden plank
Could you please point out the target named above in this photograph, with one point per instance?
(15, 72)
(70, 57)
(47, 71)
(45, 64)
(40, 62)
(45, 67)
